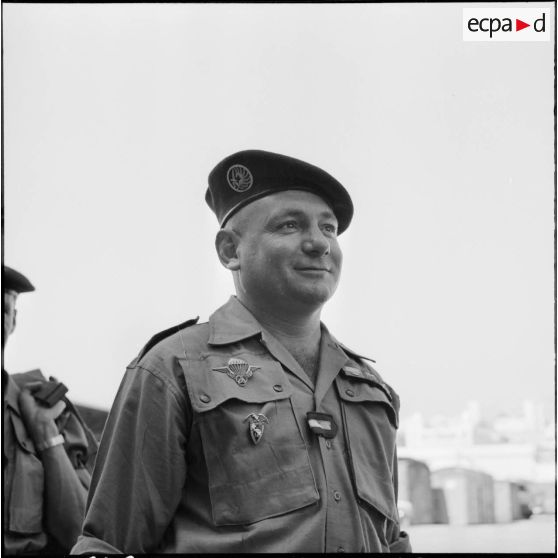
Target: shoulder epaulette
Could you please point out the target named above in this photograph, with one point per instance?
(355, 354)
(158, 337)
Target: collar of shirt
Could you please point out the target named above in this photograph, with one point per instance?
(233, 322)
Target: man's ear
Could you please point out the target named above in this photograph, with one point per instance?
(226, 244)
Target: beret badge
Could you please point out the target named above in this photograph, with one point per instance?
(239, 178)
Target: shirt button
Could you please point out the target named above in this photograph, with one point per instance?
(278, 387)
(205, 398)
(350, 392)
(336, 496)
(340, 549)
(328, 444)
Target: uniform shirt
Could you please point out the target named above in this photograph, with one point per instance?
(177, 470)
(23, 480)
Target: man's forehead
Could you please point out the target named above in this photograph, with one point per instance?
(293, 201)
(9, 294)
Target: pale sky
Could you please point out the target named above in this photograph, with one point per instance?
(115, 114)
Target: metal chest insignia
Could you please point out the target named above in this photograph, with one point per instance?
(257, 426)
(239, 370)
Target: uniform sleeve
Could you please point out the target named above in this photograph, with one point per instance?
(64, 496)
(398, 540)
(140, 469)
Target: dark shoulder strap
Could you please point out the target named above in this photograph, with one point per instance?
(158, 337)
(79, 441)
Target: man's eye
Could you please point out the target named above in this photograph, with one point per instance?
(330, 228)
(289, 225)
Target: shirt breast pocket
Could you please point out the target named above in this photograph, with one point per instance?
(26, 493)
(370, 420)
(256, 457)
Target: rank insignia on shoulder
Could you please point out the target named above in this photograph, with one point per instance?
(256, 426)
(239, 370)
(367, 375)
(352, 371)
(322, 424)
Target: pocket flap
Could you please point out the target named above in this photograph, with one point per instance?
(214, 378)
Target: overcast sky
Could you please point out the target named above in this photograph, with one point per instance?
(115, 114)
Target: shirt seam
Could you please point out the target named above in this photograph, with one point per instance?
(176, 393)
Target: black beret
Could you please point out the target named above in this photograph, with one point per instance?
(15, 281)
(246, 176)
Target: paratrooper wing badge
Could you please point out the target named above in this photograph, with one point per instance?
(239, 370)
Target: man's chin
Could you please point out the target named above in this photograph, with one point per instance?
(314, 297)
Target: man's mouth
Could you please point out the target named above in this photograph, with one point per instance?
(313, 268)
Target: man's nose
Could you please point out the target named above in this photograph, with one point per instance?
(315, 243)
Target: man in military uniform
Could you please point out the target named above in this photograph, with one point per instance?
(45, 479)
(257, 431)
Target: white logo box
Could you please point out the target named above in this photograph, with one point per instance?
(499, 24)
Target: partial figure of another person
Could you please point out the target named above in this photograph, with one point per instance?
(257, 431)
(46, 452)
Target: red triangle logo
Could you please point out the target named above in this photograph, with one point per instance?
(519, 25)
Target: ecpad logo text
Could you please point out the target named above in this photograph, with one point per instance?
(506, 24)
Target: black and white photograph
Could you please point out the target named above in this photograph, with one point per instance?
(279, 278)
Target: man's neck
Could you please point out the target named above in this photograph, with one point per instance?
(281, 322)
(299, 333)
